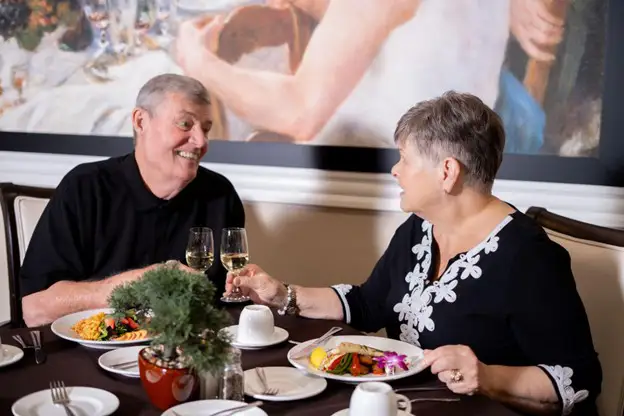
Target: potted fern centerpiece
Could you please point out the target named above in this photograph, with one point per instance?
(176, 308)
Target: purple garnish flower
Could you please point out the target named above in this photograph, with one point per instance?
(390, 361)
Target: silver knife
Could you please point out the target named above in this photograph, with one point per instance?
(239, 409)
(317, 343)
(421, 388)
(40, 356)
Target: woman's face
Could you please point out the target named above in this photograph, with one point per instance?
(419, 180)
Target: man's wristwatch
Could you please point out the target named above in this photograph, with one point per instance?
(290, 305)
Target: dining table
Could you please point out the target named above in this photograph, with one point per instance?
(77, 365)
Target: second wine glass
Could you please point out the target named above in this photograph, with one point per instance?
(200, 249)
(234, 256)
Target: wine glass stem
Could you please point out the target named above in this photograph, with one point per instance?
(236, 292)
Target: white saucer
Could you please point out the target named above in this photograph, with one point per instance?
(208, 407)
(84, 401)
(279, 335)
(345, 412)
(122, 355)
(292, 384)
(11, 354)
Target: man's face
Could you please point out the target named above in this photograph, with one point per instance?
(175, 137)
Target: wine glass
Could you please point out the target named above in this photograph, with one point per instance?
(234, 256)
(200, 249)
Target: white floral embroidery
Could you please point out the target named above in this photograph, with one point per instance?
(343, 290)
(563, 380)
(415, 308)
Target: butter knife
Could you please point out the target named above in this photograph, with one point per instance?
(317, 343)
(239, 409)
(40, 356)
(421, 388)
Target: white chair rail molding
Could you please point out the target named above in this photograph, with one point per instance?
(600, 205)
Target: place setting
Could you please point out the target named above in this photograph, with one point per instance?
(122, 361)
(60, 400)
(101, 329)
(216, 408)
(281, 384)
(356, 358)
(9, 354)
(256, 329)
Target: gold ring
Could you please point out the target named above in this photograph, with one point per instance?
(456, 376)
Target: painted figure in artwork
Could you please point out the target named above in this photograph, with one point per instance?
(316, 72)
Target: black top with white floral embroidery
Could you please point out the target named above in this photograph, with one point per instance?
(512, 299)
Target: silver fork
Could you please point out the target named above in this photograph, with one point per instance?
(59, 396)
(20, 341)
(267, 390)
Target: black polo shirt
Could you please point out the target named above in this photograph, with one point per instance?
(103, 220)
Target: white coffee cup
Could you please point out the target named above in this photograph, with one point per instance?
(377, 398)
(1, 351)
(255, 325)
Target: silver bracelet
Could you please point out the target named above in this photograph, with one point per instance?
(290, 306)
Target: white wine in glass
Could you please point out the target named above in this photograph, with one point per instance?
(234, 261)
(234, 257)
(200, 249)
(199, 261)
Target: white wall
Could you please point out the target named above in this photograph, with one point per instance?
(316, 227)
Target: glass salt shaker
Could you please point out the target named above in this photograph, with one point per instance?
(231, 381)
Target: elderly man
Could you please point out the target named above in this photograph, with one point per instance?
(111, 221)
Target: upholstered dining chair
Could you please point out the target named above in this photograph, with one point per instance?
(21, 208)
(597, 255)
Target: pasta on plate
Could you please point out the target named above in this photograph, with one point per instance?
(103, 327)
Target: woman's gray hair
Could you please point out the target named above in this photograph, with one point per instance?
(460, 126)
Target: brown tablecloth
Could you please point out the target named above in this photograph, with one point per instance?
(77, 366)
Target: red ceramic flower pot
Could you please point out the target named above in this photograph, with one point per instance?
(166, 385)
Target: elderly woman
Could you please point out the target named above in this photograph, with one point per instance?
(470, 279)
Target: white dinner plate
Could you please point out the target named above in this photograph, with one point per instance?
(84, 401)
(122, 355)
(385, 344)
(208, 407)
(279, 335)
(292, 384)
(10, 354)
(345, 412)
(62, 327)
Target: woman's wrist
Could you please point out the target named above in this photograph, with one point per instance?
(281, 295)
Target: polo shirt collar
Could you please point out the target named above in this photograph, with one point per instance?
(144, 198)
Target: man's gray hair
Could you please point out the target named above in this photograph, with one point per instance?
(460, 126)
(155, 91)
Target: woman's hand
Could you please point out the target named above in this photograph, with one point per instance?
(457, 367)
(536, 28)
(258, 285)
(197, 43)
